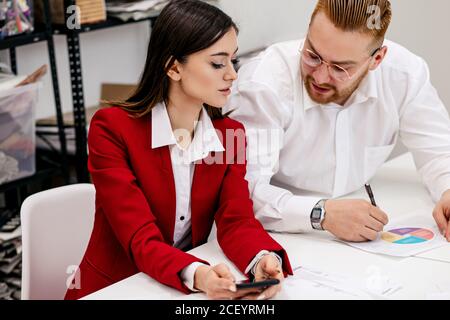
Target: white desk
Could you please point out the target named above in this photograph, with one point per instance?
(398, 190)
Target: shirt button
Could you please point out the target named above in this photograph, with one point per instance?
(182, 218)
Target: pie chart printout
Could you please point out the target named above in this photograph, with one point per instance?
(408, 236)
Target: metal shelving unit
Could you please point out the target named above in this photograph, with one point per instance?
(13, 193)
(79, 110)
(44, 170)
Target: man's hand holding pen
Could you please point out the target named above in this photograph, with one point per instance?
(441, 214)
(354, 220)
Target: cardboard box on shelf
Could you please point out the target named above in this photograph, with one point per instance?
(114, 92)
(90, 11)
(109, 92)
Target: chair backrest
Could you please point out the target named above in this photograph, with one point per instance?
(56, 227)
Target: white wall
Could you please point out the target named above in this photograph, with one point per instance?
(423, 27)
(118, 54)
(264, 22)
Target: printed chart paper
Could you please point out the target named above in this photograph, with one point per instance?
(405, 237)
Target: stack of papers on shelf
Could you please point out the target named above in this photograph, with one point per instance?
(123, 6)
(136, 10)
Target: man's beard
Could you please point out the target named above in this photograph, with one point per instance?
(339, 97)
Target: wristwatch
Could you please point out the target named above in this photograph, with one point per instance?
(318, 215)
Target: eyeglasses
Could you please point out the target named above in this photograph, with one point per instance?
(313, 60)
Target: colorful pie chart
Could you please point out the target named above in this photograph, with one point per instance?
(408, 235)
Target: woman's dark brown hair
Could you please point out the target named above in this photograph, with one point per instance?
(184, 27)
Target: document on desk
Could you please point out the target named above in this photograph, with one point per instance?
(405, 237)
(312, 283)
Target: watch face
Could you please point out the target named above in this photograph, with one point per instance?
(316, 213)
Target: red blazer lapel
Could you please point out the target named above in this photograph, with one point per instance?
(168, 218)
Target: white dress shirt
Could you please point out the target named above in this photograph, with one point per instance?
(183, 165)
(318, 151)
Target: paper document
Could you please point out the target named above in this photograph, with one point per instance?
(405, 237)
(312, 283)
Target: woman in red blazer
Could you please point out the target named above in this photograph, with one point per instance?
(166, 164)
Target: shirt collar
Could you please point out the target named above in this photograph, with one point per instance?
(367, 89)
(162, 134)
(205, 139)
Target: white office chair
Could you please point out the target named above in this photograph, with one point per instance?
(56, 227)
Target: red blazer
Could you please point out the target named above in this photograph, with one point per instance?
(135, 206)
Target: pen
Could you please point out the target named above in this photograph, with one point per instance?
(370, 193)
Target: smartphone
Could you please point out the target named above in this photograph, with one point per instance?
(256, 284)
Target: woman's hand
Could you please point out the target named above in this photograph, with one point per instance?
(218, 283)
(268, 268)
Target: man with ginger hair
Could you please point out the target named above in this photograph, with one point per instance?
(337, 103)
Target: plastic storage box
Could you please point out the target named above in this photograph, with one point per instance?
(17, 132)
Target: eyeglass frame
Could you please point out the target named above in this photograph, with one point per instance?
(329, 65)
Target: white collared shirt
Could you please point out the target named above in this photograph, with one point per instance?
(205, 141)
(183, 161)
(326, 151)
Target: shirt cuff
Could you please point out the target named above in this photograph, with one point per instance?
(188, 274)
(442, 187)
(297, 213)
(252, 265)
